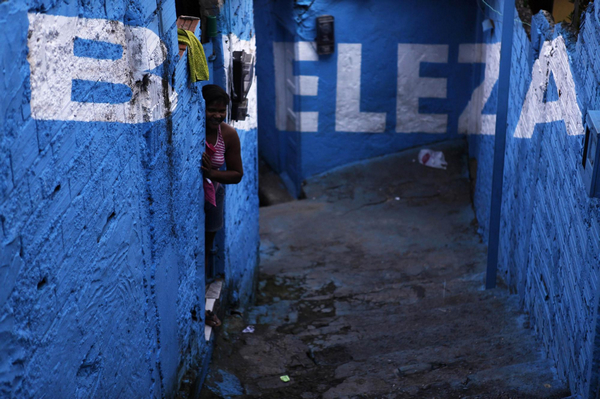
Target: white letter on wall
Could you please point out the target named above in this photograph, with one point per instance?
(554, 58)
(287, 86)
(472, 121)
(54, 67)
(306, 51)
(411, 87)
(307, 85)
(348, 117)
(281, 101)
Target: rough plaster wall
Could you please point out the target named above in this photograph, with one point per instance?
(241, 237)
(101, 239)
(72, 247)
(550, 229)
(179, 235)
(367, 101)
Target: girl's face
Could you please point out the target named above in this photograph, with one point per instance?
(216, 112)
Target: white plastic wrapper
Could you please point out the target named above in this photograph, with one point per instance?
(433, 159)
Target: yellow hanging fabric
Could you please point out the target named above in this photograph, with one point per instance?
(196, 58)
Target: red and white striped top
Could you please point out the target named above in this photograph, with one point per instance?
(218, 158)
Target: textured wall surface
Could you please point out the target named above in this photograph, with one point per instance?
(389, 85)
(240, 238)
(102, 238)
(550, 228)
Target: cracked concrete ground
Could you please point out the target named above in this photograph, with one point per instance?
(372, 287)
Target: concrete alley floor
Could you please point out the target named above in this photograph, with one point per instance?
(372, 287)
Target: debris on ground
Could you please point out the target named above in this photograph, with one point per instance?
(433, 159)
(384, 302)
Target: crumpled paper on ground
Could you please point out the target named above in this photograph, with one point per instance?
(433, 159)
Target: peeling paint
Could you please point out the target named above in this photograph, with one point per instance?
(54, 66)
(553, 58)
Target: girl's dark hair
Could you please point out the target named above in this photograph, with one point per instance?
(212, 93)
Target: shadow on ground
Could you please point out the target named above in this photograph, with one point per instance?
(372, 287)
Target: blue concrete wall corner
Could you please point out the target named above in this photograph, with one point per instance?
(548, 251)
(323, 111)
(101, 202)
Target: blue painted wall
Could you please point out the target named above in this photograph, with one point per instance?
(102, 239)
(382, 30)
(550, 229)
(238, 243)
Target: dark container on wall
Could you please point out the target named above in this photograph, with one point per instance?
(242, 74)
(325, 35)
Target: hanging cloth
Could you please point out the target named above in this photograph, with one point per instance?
(196, 58)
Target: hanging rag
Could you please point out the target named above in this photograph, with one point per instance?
(210, 191)
(196, 58)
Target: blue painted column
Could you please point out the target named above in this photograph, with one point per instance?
(500, 143)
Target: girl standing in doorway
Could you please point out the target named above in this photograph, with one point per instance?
(222, 148)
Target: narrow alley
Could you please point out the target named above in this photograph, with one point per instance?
(372, 287)
(136, 260)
